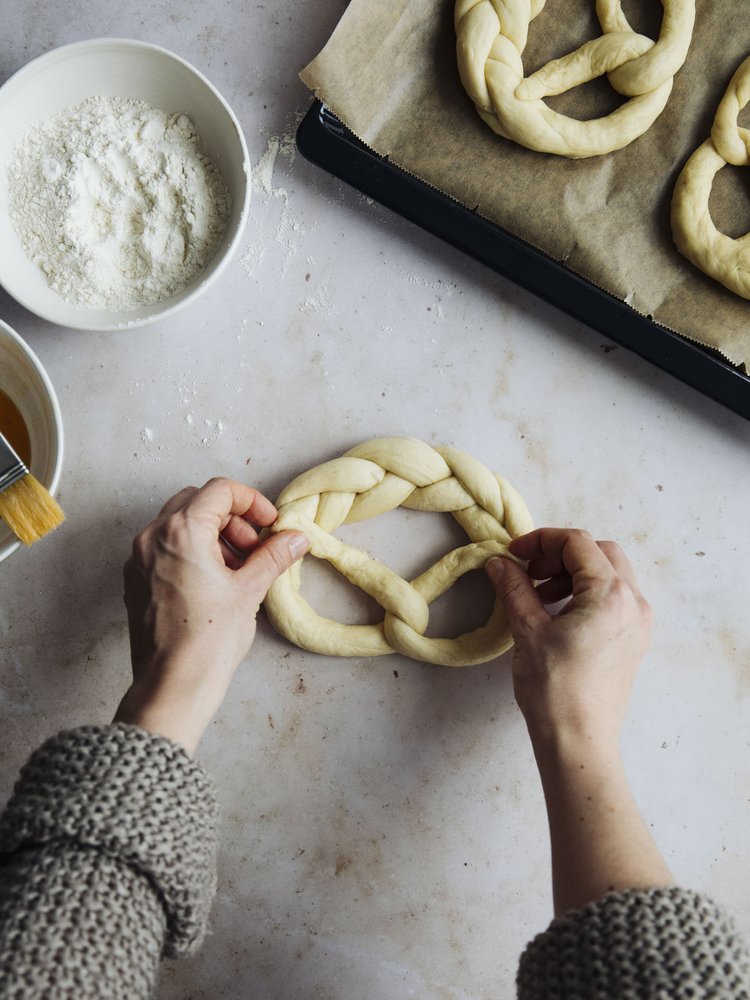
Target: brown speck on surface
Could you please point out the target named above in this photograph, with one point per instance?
(210, 621)
(700, 554)
(248, 461)
(607, 348)
(307, 276)
(270, 721)
(659, 488)
(300, 689)
(395, 673)
(342, 863)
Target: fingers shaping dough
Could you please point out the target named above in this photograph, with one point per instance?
(695, 235)
(373, 478)
(490, 39)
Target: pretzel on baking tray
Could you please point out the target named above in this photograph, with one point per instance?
(725, 259)
(490, 40)
(375, 477)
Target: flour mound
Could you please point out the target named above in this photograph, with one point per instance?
(116, 202)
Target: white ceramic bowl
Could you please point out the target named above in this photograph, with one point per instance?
(23, 379)
(114, 67)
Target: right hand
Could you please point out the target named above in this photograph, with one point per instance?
(573, 671)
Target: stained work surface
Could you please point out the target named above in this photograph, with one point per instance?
(383, 833)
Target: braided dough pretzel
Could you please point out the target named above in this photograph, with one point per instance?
(695, 235)
(373, 478)
(490, 39)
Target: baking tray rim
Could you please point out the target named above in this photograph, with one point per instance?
(326, 142)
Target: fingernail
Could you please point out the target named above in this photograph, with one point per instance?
(495, 568)
(298, 544)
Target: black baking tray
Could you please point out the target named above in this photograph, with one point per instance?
(325, 141)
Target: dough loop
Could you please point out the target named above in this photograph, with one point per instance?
(695, 235)
(375, 477)
(490, 39)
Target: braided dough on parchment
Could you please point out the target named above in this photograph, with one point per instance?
(725, 259)
(491, 37)
(373, 478)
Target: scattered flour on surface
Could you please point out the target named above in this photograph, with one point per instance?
(263, 173)
(319, 301)
(288, 233)
(117, 202)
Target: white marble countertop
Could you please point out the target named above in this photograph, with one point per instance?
(383, 829)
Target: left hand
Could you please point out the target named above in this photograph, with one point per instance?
(192, 601)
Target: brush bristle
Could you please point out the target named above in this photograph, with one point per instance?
(29, 510)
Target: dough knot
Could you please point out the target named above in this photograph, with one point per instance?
(491, 37)
(725, 259)
(370, 479)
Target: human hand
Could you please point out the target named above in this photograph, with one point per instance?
(573, 671)
(192, 601)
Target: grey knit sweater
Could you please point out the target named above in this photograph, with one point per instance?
(107, 861)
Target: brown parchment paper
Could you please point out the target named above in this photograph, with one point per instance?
(389, 73)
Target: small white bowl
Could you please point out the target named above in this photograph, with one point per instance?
(114, 67)
(23, 379)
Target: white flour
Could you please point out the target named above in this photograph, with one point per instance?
(116, 202)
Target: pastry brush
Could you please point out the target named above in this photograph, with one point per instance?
(25, 505)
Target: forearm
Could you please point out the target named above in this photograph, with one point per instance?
(599, 839)
(178, 711)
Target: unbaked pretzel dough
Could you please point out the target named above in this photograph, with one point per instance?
(491, 36)
(695, 235)
(373, 478)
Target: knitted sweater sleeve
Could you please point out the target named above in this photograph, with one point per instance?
(107, 861)
(657, 944)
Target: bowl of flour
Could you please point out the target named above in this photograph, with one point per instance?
(124, 184)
